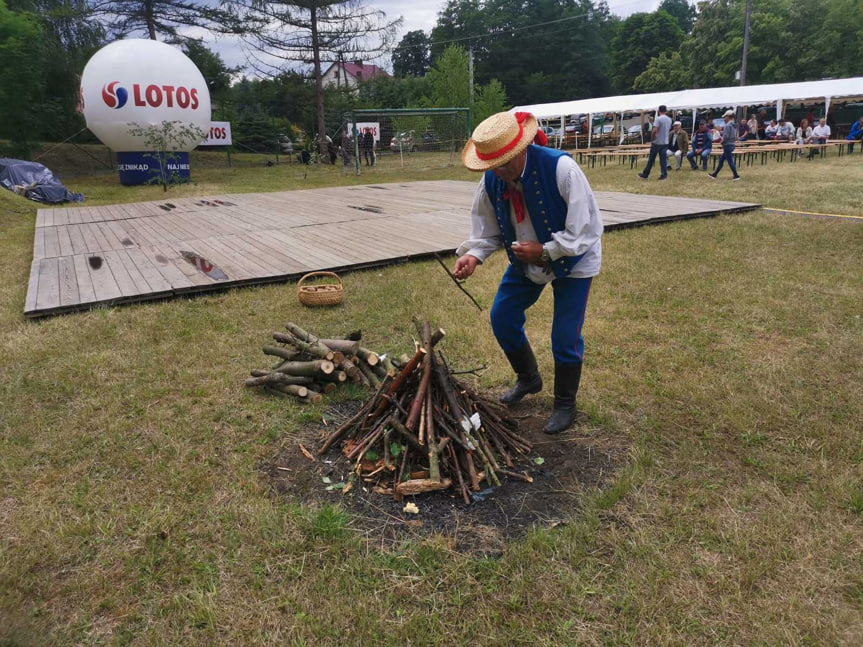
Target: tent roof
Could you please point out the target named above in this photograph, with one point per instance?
(728, 97)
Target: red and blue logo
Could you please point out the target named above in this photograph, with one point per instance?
(113, 96)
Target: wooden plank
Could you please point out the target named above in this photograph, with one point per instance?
(64, 240)
(32, 287)
(165, 262)
(90, 240)
(39, 243)
(125, 283)
(48, 296)
(142, 287)
(79, 245)
(104, 285)
(68, 282)
(96, 233)
(52, 243)
(110, 236)
(155, 279)
(86, 294)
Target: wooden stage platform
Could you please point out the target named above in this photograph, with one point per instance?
(127, 253)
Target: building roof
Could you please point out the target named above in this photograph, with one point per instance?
(367, 70)
(728, 97)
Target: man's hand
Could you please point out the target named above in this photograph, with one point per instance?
(465, 266)
(527, 251)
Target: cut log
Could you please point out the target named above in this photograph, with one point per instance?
(338, 377)
(284, 353)
(368, 373)
(278, 378)
(319, 366)
(370, 357)
(307, 337)
(342, 345)
(315, 350)
(291, 389)
(418, 486)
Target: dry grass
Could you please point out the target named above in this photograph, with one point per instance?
(726, 351)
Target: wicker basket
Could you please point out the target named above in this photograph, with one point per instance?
(320, 295)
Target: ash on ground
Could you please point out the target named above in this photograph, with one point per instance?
(563, 468)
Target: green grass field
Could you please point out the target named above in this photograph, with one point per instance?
(726, 353)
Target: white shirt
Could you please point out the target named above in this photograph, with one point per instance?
(821, 131)
(582, 234)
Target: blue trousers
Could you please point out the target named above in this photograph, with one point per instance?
(662, 151)
(705, 155)
(517, 293)
(727, 156)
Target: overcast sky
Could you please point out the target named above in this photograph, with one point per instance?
(417, 14)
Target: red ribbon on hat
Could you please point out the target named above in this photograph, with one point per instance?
(520, 117)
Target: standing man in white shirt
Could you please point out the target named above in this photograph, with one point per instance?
(820, 135)
(659, 145)
(536, 204)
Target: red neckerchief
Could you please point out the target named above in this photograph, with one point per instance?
(516, 198)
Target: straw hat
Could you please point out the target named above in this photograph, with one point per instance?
(498, 139)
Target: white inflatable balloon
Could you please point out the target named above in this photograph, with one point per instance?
(142, 82)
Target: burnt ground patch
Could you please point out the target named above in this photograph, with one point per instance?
(572, 463)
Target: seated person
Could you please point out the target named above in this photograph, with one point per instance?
(820, 135)
(678, 144)
(786, 131)
(771, 130)
(804, 135)
(743, 131)
(702, 143)
(856, 134)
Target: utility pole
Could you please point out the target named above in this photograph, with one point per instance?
(745, 42)
(470, 70)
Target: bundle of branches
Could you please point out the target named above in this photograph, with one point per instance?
(423, 430)
(310, 366)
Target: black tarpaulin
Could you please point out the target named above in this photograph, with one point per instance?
(35, 182)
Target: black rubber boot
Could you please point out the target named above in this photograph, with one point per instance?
(566, 380)
(529, 381)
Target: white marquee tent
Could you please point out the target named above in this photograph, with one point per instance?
(728, 97)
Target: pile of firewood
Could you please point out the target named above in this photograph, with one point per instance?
(309, 367)
(424, 430)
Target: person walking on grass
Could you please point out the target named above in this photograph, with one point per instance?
(729, 143)
(535, 203)
(659, 145)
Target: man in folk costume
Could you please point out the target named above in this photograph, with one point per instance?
(535, 203)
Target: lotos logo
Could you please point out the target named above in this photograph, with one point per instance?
(113, 96)
(151, 95)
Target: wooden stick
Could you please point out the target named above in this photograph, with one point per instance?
(456, 281)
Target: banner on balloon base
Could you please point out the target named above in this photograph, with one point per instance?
(145, 167)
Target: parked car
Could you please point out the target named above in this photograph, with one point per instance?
(606, 129)
(404, 142)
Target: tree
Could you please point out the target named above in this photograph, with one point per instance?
(216, 74)
(540, 50)
(314, 31)
(641, 37)
(449, 79)
(412, 56)
(490, 99)
(682, 11)
(163, 18)
(664, 73)
(21, 61)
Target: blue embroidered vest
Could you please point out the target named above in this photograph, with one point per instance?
(544, 203)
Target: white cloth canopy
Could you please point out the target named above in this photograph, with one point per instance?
(729, 97)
